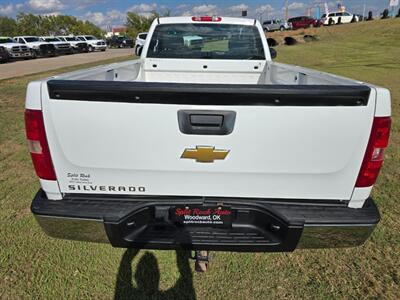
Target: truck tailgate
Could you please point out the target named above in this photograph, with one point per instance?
(287, 141)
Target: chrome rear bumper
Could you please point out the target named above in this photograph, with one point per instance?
(109, 220)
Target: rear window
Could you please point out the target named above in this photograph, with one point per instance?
(143, 36)
(31, 39)
(206, 41)
(51, 39)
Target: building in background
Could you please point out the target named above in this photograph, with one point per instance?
(116, 31)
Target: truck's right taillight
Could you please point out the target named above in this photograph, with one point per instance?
(373, 158)
(37, 144)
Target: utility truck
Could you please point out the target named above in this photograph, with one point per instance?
(211, 148)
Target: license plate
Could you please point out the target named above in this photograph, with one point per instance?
(214, 216)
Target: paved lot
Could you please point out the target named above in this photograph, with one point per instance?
(25, 67)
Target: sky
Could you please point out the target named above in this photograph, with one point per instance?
(106, 13)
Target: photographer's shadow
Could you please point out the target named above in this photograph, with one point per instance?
(147, 277)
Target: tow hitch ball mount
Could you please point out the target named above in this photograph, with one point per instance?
(202, 260)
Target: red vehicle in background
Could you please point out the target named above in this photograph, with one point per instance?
(304, 22)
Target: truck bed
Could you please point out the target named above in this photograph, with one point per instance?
(206, 72)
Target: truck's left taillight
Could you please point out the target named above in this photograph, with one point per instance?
(37, 144)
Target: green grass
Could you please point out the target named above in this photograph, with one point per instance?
(35, 266)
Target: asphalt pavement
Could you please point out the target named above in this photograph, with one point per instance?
(32, 66)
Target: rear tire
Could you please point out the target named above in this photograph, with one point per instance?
(282, 28)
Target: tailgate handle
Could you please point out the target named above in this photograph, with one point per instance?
(206, 122)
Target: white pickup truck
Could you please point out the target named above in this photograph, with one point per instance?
(210, 148)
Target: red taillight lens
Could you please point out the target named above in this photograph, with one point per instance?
(37, 144)
(373, 158)
(207, 19)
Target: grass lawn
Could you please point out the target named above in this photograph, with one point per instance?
(35, 266)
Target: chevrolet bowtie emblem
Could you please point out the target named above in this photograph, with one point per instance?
(204, 154)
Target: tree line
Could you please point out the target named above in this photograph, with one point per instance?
(136, 23)
(30, 24)
(39, 25)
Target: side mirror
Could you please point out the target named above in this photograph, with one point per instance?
(273, 52)
(139, 51)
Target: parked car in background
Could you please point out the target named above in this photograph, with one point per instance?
(61, 47)
(304, 22)
(139, 42)
(4, 57)
(77, 45)
(338, 18)
(14, 49)
(93, 42)
(37, 47)
(273, 25)
(120, 42)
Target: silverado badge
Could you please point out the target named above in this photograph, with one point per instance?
(204, 154)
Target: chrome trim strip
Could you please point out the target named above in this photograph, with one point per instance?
(334, 236)
(89, 230)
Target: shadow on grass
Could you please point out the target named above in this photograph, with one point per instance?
(147, 277)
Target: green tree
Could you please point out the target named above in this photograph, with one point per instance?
(8, 26)
(30, 24)
(136, 23)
